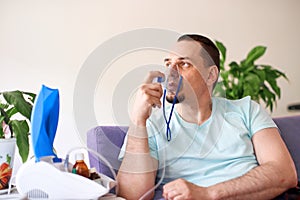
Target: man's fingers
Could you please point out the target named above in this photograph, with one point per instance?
(153, 74)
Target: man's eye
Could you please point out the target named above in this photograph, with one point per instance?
(185, 64)
(168, 64)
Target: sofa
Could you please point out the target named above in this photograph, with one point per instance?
(107, 141)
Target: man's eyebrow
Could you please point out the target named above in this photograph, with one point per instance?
(180, 58)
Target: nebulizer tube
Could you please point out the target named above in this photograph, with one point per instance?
(168, 131)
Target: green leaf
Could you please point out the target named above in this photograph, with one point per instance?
(281, 74)
(261, 74)
(222, 49)
(16, 98)
(254, 54)
(31, 96)
(4, 106)
(1, 119)
(21, 130)
(10, 112)
(270, 97)
(274, 86)
(8, 159)
(252, 86)
(235, 69)
(250, 68)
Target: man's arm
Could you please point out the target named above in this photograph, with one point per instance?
(275, 174)
(138, 169)
(137, 172)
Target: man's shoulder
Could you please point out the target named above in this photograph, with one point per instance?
(244, 100)
(243, 105)
(221, 101)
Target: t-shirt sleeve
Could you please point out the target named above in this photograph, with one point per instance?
(259, 118)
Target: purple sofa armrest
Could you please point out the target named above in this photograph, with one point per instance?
(106, 140)
(289, 128)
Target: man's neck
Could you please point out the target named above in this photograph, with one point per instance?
(195, 113)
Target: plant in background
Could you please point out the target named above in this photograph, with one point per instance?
(249, 79)
(12, 104)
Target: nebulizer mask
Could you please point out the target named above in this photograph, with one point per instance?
(172, 84)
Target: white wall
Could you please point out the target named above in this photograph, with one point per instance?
(48, 42)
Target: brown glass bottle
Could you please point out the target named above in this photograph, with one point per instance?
(80, 166)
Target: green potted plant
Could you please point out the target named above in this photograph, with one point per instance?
(247, 78)
(15, 113)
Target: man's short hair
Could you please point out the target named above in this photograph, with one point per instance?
(209, 48)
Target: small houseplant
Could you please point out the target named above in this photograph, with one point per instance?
(249, 79)
(15, 113)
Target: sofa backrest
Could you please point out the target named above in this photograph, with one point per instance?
(107, 140)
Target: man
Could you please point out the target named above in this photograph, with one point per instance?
(212, 148)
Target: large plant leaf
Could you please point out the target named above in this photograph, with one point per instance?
(16, 98)
(261, 74)
(4, 106)
(270, 97)
(254, 54)
(31, 96)
(10, 112)
(222, 49)
(252, 86)
(235, 69)
(21, 130)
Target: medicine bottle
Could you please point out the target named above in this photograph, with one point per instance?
(80, 166)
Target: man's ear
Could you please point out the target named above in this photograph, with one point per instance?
(213, 75)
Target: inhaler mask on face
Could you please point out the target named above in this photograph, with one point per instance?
(172, 84)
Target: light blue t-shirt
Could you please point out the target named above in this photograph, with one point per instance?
(220, 149)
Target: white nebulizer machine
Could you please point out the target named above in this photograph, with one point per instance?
(50, 177)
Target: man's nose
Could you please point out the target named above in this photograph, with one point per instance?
(174, 66)
(173, 71)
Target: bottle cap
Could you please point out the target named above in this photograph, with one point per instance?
(79, 156)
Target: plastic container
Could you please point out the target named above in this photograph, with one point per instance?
(80, 166)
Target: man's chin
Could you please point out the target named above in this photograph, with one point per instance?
(170, 98)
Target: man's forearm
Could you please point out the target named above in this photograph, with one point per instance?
(138, 169)
(262, 182)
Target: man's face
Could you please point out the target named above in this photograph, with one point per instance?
(187, 61)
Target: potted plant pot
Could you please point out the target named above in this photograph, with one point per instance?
(7, 152)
